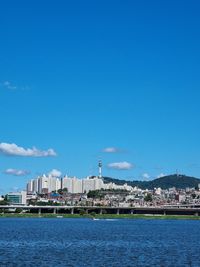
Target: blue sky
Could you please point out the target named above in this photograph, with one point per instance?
(79, 77)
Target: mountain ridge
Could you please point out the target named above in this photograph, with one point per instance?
(166, 182)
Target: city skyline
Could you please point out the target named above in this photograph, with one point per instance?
(112, 81)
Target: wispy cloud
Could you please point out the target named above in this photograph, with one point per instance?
(10, 86)
(16, 172)
(55, 173)
(15, 150)
(113, 149)
(146, 176)
(110, 150)
(161, 175)
(120, 165)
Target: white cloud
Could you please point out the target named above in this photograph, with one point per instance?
(55, 173)
(9, 86)
(16, 172)
(120, 165)
(15, 150)
(146, 176)
(161, 175)
(110, 150)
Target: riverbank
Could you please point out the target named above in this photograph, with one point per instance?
(100, 216)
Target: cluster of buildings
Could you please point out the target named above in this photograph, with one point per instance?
(74, 191)
(156, 197)
(47, 184)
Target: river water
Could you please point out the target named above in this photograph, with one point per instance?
(84, 242)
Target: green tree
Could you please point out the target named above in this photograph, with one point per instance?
(93, 194)
(63, 191)
(82, 212)
(5, 201)
(148, 198)
(193, 195)
(93, 214)
(18, 210)
(104, 211)
(96, 194)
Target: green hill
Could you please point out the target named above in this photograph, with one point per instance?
(178, 181)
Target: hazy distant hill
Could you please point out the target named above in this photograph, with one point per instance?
(180, 181)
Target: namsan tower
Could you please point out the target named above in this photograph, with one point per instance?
(100, 169)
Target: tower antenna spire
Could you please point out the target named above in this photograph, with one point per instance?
(100, 169)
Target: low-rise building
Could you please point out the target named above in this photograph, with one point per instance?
(17, 198)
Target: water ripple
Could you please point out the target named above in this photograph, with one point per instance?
(77, 243)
